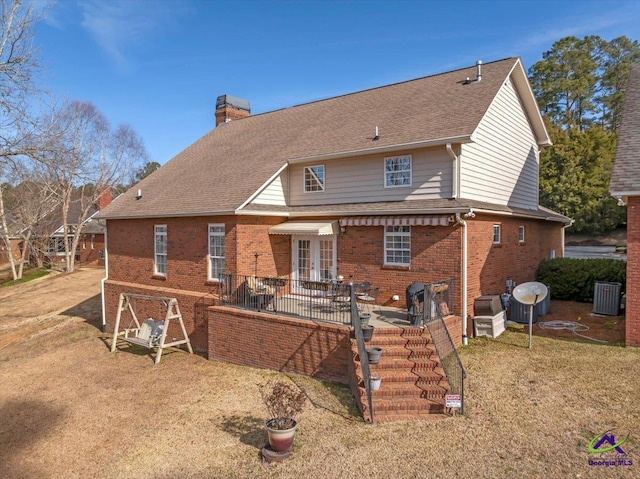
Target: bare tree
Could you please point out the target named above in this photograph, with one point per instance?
(17, 130)
(87, 160)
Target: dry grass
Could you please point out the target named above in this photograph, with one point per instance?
(69, 408)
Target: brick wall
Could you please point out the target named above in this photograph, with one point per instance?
(632, 309)
(278, 343)
(87, 253)
(435, 255)
(192, 307)
(490, 265)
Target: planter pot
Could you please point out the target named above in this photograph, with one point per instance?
(367, 332)
(364, 318)
(280, 440)
(375, 382)
(374, 355)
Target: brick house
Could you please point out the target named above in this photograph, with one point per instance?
(91, 245)
(625, 185)
(50, 228)
(425, 180)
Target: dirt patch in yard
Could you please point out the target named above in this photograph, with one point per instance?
(591, 327)
(70, 408)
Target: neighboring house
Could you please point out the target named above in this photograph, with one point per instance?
(625, 185)
(425, 180)
(90, 248)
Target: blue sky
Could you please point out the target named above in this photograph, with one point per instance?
(160, 64)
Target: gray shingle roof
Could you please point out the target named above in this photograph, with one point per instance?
(625, 178)
(222, 169)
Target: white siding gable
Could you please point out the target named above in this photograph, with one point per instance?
(275, 192)
(361, 179)
(501, 166)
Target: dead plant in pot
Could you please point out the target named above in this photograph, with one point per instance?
(284, 401)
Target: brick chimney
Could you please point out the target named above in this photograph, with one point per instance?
(104, 199)
(230, 108)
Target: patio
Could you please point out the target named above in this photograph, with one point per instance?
(330, 301)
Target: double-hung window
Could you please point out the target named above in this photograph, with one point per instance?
(521, 234)
(313, 178)
(497, 233)
(397, 171)
(216, 251)
(160, 250)
(397, 245)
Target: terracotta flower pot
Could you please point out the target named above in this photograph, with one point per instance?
(280, 440)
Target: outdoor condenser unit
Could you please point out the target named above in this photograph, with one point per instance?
(606, 298)
(519, 313)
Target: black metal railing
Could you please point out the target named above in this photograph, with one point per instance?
(315, 300)
(362, 351)
(445, 348)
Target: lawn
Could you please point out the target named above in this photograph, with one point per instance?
(69, 408)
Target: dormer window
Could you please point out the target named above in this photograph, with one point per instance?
(313, 178)
(397, 171)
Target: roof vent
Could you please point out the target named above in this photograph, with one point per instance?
(478, 74)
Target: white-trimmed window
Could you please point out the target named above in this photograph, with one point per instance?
(521, 234)
(397, 171)
(93, 241)
(313, 178)
(497, 234)
(84, 242)
(216, 251)
(56, 245)
(397, 245)
(160, 249)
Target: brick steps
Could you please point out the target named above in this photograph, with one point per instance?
(414, 384)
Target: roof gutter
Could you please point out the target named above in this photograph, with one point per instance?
(169, 215)
(522, 215)
(384, 149)
(435, 211)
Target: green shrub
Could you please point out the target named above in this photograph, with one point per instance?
(574, 279)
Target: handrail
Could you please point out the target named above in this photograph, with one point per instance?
(362, 352)
(446, 349)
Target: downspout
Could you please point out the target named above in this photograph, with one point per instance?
(104, 280)
(564, 229)
(456, 171)
(463, 223)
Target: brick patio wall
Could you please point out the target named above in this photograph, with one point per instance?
(275, 342)
(192, 306)
(632, 308)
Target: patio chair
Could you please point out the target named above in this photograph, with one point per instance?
(259, 295)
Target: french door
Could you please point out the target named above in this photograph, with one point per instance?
(313, 257)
